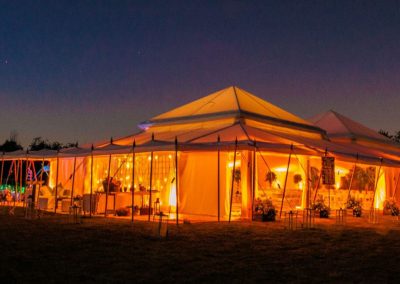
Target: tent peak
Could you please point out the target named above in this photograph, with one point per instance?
(231, 102)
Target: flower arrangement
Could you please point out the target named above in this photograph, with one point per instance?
(266, 209)
(354, 204)
(391, 207)
(122, 211)
(320, 207)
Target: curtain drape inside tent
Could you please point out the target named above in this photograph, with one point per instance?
(198, 183)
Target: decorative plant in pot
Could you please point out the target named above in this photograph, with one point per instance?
(390, 208)
(269, 212)
(265, 209)
(356, 206)
(320, 207)
(270, 177)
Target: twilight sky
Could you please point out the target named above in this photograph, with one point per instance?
(88, 70)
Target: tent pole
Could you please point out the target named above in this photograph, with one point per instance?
(133, 180)
(16, 174)
(2, 169)
(40, 182)
(319, 178)
(108, 184)
(286, 177)
(253, 180)
(233, 179)
(219, 178)
(20, 179)
(26, 174)
(376, 184)
(151, 183)
(56, 192)
(351, 179)
(176, 181)
(73, 182)
(91, 181)
(395, 188)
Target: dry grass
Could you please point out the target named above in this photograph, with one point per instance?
(110, 250)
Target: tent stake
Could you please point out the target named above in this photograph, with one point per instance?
(151, 183)
(133, 180)
(176, 181)
(233, 179)
(73, 182)
(56, 193)
(286, 177)
(218, 178)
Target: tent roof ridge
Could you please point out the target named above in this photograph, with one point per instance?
(237, 98)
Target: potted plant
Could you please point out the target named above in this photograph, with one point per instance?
(122, 211)
(355, 205)
(270, 177)
(320, 207)
(269, 212)
(390, 208)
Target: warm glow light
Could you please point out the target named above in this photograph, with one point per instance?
(237, 164)
(128, 177)
(169, 157)
(301, 185)
(172, 195)
(280, 170)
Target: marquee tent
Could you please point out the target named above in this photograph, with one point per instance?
(222, 156)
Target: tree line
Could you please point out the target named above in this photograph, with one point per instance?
(38, 143)
(395, 137)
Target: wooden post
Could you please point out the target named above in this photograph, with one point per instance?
(286, 177)
(73, 182)
(56, 193)
(151, 183)
(218, 179)
(108, 184)
(91, 181)
(176, 181)
(376, 183)
(133, 179)
(233, 179)
(253, 180)
(351, 179)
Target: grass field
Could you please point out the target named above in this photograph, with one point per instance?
(51, 250)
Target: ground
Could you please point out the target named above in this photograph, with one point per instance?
(51, 249)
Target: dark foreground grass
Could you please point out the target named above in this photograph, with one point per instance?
(51, 250)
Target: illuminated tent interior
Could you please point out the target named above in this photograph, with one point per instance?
(217, 158)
